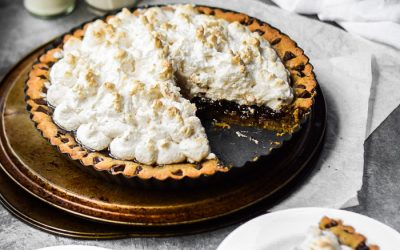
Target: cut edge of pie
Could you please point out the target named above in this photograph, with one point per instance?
(301, 74)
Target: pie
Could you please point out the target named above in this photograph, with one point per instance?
(334, 235)
(122, 94)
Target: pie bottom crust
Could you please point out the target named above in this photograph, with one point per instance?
(301, 74)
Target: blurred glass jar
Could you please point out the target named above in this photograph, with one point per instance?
(107, 5)
(49, 8)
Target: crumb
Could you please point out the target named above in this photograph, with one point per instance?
(239, 134)
(222, 125)
(253, 140)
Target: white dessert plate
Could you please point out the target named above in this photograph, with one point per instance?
(285, 229)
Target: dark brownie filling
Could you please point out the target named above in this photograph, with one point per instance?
(207, 108)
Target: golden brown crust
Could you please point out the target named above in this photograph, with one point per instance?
(302, 77)
(347, 235)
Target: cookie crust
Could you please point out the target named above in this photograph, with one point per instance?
(346, 234)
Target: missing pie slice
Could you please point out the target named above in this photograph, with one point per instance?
(122, 94)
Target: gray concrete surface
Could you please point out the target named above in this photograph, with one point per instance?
(20, 33)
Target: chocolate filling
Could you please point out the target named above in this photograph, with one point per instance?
(331, 224)
(288, 55)
(260, 32)
(44, 90)
(276, 41)
(214, 109)
(40, 101)
(138, 169)
(300, 74)
(198, 166)
(43, 110)
(97, 160)
(247, 21)
(178, 172)
(299, 67)
(64, 140)
(362, 246)
(118, 168)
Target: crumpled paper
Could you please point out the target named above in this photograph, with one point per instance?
(376, 20)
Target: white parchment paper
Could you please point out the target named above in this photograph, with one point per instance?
(345, 83)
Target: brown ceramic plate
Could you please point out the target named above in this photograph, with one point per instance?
(38, 168)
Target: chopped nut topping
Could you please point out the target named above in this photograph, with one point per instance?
(154, 91)
(172, 111)
(117, 102)
(109, 85)
(254, 41)
(246, 55)
(78, 89)
(218, 33)
(271, 76)
(90, 78)
(157, 104)
(151, 14)
(121, 34)
(150, 145)
(242, 68)
(185, 17)
(178, 118)
(150, 27)
(164, 144)
(167, 26)
(110, 29)
(71, 59)
(200, 140)
(212, 40)
(167, 71)
(212, 24)
(187, 131)
(137, 86)
(165, 50)
(98, 33)
(194, 78)
(128, 65)
(115, 21)
(125, 11)
(278, 82)
(236, 59)
(181, 66)
(120, 54)
(157, 42)
(143, 19)
(129, 117)
(200, 33)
